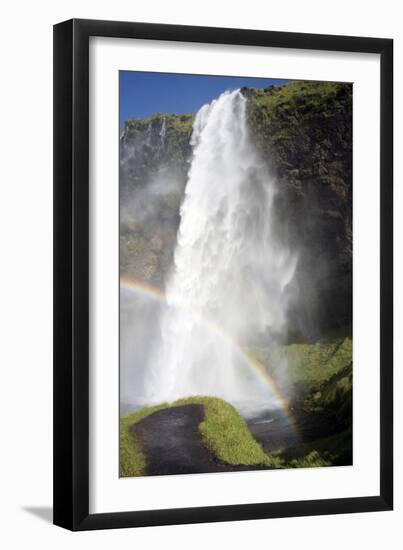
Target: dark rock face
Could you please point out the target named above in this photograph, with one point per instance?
(154, 160)
(149, 145)
(303, 131)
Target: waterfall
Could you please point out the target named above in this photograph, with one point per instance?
(148, 134)
(163, 132)
(229, 279)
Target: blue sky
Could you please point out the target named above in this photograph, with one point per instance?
(143, 94)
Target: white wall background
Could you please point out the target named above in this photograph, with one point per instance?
(26, 272)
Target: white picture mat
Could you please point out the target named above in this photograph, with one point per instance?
(108, 493)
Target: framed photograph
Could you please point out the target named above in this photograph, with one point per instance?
(223, 321)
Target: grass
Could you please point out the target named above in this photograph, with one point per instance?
(302, 127)
(223, 431)
(311, 97)
(307, 364)
(335, 450)
(323, 371)
(181, 123)
(333, 398)
(227, 436)
(313, 363)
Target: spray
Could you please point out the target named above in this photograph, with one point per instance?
(229, 267)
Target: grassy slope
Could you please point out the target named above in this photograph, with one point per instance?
(223, 431)
(323, 369)
(332, 398)
(322, 377)
(306, 364)
(334, 450)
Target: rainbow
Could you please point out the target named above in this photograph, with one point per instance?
(145, 290)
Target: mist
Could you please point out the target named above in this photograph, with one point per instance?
(229, 283)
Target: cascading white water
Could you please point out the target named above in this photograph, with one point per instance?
(230, 273)
(163, 132)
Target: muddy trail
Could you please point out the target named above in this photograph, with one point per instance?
(172, 443)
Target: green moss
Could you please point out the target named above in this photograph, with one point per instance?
(223, 431)
(301, 124)
(333, 398)
(181, 123)
(323, 97)
(178, 130)
(311, 460)
(307, 364)
(174, 151)
(226, 434)
(132, 461)
(335, 450)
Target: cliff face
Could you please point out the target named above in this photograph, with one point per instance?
(149, 145)
(154, 160)
(303, 132)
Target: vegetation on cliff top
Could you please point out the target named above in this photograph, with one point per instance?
(302, 124)
(176, 142)
(181, 123)
(299, 123)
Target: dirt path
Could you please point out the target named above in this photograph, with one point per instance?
(172, 444)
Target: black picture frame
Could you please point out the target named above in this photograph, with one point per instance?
(71, 274)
